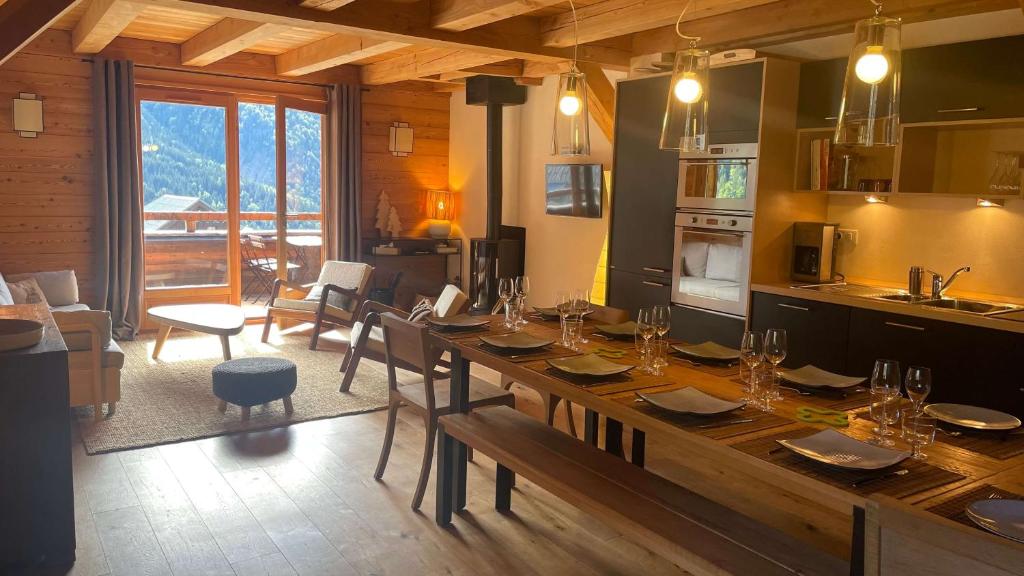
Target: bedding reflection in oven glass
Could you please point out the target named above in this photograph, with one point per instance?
(711, 265)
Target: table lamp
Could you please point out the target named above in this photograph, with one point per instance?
(440, 212)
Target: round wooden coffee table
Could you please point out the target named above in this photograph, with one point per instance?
(220, 319)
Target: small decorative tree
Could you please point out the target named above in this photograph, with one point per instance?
(394, 224)
(383, 211)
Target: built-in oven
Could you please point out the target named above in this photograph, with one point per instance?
(724, 177)
(711, 263)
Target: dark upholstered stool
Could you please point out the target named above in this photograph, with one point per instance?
(247, 382)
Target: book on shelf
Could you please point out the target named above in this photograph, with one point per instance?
(820, 151)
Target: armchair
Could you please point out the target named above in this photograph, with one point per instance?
(333, 299)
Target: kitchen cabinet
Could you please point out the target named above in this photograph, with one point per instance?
(964, 81)
(643, 181)
(734, 109)
(695, 326)
(632, 292)
(821, 93)
(816, 332)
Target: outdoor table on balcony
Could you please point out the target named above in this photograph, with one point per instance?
(222, 320)
(734, 465)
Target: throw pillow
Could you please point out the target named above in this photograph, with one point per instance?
(26, 291)
(60, 286)
(5, 293)
(343, 301)
(421, 311)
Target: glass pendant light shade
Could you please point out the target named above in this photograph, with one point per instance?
(870, 111)
(571, 133)
(685, 126)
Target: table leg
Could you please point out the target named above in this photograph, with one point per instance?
(225, 346)
(639, 447)
(451, 455)
(590, 426)
(613, 437)
(161, 337)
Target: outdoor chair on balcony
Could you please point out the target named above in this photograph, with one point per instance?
(333, 299)
(262, 268)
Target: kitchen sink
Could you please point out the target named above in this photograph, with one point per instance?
(970, 306)
(905, 298)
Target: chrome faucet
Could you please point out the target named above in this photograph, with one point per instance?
(939, 287)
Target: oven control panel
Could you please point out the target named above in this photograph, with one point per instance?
(737, 222)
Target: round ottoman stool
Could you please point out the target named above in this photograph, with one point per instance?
(247, 382)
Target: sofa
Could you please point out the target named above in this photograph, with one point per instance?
(94, 358)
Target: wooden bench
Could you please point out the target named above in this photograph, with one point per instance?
(699, 535)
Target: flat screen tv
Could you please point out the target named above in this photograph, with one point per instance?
(574, 189)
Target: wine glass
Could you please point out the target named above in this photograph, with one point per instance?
(919, 429)
(661, 316)
(775, 353)
(885, 394)
(751, 355)
(506, 289)
(563, 303)
(645, 324)
(641, 347)
(523, 288)
(918, 384)
(581, 300)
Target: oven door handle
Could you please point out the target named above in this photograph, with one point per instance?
(714, 232)
(715, 161)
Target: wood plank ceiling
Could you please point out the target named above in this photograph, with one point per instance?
(438, 43)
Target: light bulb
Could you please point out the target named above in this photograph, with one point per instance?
(570, 104)
(872, 67)
(688, 88)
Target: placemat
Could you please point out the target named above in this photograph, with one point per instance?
(761, 420)
(956, 508)
(517, 356)
(832, 401)
(921, 476)
(1000, 446)
(720, 370)
(587, 381)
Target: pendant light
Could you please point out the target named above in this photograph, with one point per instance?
(685, 125)
(870, 111)
(571, 133)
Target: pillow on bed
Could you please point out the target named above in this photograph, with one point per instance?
(5, 293)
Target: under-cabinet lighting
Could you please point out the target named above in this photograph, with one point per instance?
(986, 203)
(876, 199)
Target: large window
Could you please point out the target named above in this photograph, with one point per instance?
(219, 218)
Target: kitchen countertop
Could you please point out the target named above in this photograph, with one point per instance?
(859, 296)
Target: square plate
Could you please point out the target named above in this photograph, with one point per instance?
(458, 321)
(618, 330)
(690, 400)
(972, 416)
(811, 376)
(708, 351)
(835, 449)
(1001, 516)
(516, 341)
(589, 365)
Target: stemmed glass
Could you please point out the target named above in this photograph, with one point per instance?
(752, 355)
(661, 317)
(581, 300)
(523, 288)
(920, 431)
(645, 324)
(641, 347)
(506, 290)
(563, 303)
(775, 353)
(885, 397)
(918, 385)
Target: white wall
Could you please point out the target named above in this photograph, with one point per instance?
(561, 252)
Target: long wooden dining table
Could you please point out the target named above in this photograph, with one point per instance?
(728, 459)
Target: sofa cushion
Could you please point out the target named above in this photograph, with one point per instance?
(82, 340)
(60, 286)
(113, 356)
(311, 306)
(26, 291)
(5, 293)
(76, 307)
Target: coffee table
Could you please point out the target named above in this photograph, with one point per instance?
(220, 319)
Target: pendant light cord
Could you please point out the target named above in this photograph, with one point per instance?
(693, 39)
(878, 6)
(575, 34)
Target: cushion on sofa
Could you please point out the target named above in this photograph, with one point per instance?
(26, 291)
(100, 319)
(724, 262)
(5, 293)
(78, 306)
(59, 286)
(695, 259)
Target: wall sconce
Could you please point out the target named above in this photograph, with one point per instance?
(28, 115)
(400, 139)
(440, 210)
(876, 199)
(985, 203)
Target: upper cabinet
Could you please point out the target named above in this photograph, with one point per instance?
(821, 93)
(734, 107)
(965, 81)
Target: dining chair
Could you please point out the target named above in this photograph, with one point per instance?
(600, 315)
(410, 344)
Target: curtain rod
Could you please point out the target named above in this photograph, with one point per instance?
(224, 75)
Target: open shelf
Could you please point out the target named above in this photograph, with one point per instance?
(870, 163)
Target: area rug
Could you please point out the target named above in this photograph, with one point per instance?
(171, 399)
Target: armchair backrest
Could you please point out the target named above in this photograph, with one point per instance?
(351, 275)
(452, 301)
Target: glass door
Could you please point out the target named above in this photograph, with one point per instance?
(257, 174)
(301, 184)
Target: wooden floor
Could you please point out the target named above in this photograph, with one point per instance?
(302, 500)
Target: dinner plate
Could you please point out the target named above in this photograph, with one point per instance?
(458, 321)
(708, 351)
(813, 377)
(516, 341)
(831, 447)
(690, 400)
(1004, 517)
(618, 330)
(589, 365)
(552, 312)
(972, 416)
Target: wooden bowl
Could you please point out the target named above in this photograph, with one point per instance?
(16, 333)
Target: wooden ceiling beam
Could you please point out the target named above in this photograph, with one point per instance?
(405, 23)
(460, 15)
(330, 52)
(101, 23)
(423, 63)
(509, 68)
(618, 17)
(21, 21)
(792, 20)
(533, 69)
(326, 5)
(227, 37)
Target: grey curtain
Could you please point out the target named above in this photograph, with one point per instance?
(345, 172)
(119, 270)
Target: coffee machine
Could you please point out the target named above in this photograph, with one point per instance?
(814, 252)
